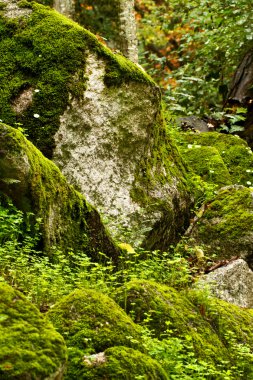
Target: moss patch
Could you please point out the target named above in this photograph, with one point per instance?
(232, 324)
(233, 152)
(29, 345)
(91, 321)
(217, 330)
(206, 162)
(36, 185)
(46, 52)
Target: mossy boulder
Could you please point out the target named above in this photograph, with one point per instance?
(117, 363)
(232, 324)
(30, 348)
(206, 162)
(99, 117)
(91, 322)
(224, 228)
(217, 330)
(163, 309)
(217, 157)
(36, 185)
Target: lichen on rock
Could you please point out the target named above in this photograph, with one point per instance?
(231, 282)
(30, 348)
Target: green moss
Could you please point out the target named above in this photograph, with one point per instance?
(234, 153)
(91, 322)
(29, 345)
(233, 207)
(119, 363)
(225, 228)
(162, 308)
(42, 52)
(206, 162)
(38, 186)
(232, 324)
(219, 332)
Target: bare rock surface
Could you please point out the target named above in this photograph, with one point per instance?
(232, 283)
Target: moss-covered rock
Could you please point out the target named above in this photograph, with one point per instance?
(206, 162)
(36, 185)
(225, 227)
(30, 348)
(44, 66)
(232, 324)
(117, 363)
(217, 157)
(99, 116)
(91, 322)
(162, 309)
(218, 331)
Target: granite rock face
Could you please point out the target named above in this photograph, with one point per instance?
(101, 147)
(232, 283)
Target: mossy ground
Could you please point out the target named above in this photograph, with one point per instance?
(46, 53)
(206, 162)
(29, 345)
(214, 327)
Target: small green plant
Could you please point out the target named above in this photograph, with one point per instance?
(178, 358)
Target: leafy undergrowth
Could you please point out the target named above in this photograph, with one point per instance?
(44, 281)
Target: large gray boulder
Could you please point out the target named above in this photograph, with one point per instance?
(231, 283)
(98, 116)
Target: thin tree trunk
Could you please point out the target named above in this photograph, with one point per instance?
(127, 31)
(65, 7)
(119, 14)
(241, 86)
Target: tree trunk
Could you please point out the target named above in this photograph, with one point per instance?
(241, 94)
(128, 40)
(65, 7)
(241, 86)
(112, 19)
